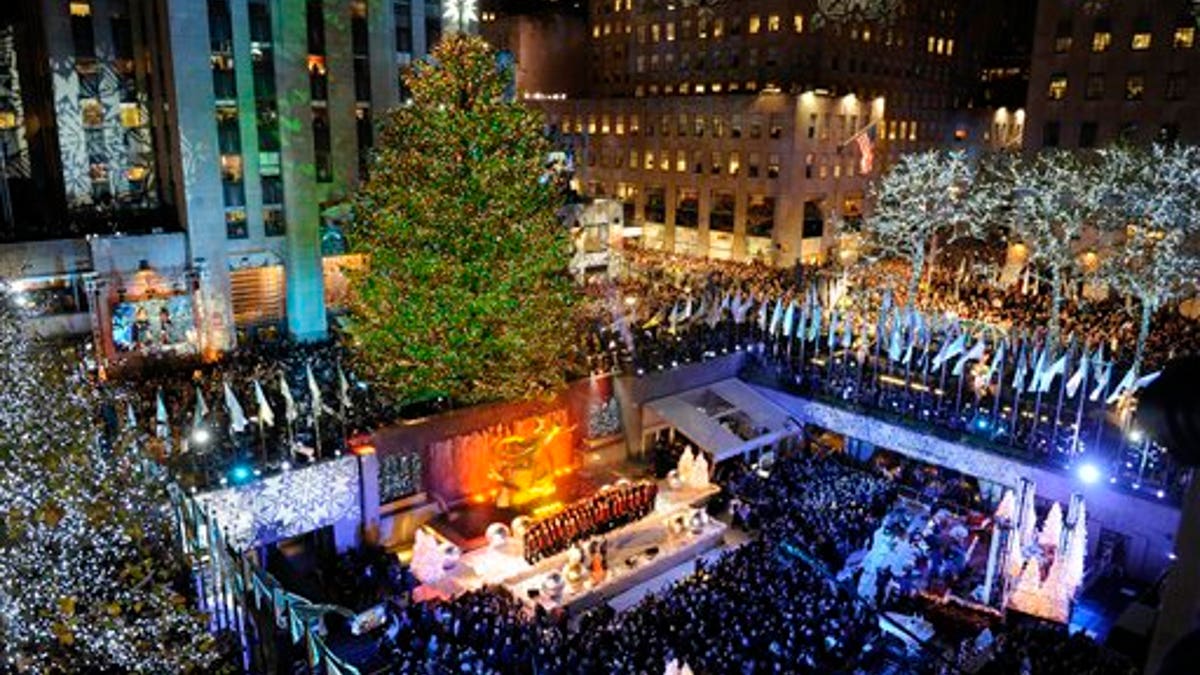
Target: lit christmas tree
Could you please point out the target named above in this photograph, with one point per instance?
(87, 561)
(467, 294)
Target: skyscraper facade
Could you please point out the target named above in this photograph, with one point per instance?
(243, 125)
(748, 130)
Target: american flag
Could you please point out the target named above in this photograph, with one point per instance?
(865, 140)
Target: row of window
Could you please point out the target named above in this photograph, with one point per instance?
(760, 209)
(1135, 86)
(705, 28)
(1140, 39)
(820, 127)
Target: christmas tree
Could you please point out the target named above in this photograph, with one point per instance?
(467, 293)
(87, 565)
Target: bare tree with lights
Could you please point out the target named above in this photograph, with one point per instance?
(87, 567)
(1153, 227)
(1050, 201)
(926, 197)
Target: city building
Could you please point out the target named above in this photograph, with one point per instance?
(242, 125)
(738, 129)
(1104, 71)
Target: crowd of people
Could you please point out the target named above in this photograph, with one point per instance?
(601, 512)
(193, 397)
(771, 605)
(667, 311)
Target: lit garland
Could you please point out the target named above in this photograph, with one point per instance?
(468, 293)
(86, 561)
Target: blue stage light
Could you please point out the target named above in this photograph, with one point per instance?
(240, 473)
(1089, 474)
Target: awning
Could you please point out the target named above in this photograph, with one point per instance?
(725, 419)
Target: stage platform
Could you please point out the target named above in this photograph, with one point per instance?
(637, 552)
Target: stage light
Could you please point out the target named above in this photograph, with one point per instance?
(1136, 436)
(201, 435)
(286, 466)
(1171, 556)
(1137, 486)
(1089, 474)
(1160, 494)
(982, 423)
(240, 473)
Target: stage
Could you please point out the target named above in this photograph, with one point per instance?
(637, 552)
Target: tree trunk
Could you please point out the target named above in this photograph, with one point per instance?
(1143, 333)
(914, 282)
(1056, 299)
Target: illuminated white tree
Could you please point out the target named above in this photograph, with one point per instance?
(1050, 200)
(925, 197)
(86, 548)
(1153, 228)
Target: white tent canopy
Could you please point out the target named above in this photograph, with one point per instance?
(725, 419)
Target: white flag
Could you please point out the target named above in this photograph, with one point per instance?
(237, 417)
(776, 317)
(130, 416)
(1018, 382)
(1039, 366)
(343, 389)
(789, 318)
(833, 327)
(162, 430)
(201, 409)
(315, 391)
(814, 326)
(847, 333)
(949, 350)
(974, 354)
(894, 342)
(1056, 369)
(289, 410)
(1125, 383)
(1102, 377)
(265, 415)
(1079, 376)
(997, 363)
(1145, 381)
(762, 315)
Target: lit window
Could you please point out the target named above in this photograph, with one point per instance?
(798, 23)
(932, 44)
(1140, 41)
(664, 161)
(81, 9)
(633, 159)
(620, 126)
(649, 165)
(634, 127)
(773, 23)
(866, 35)
(755, 23)
(680, 161)
(655, 32)
(1101, 41)
(949, 47)
(1135, 87)
(912, 131)
(735, 163)
(1058, 87)
(671, 32)
(596, 31)
(131, 115)
(1185, 37)
(718, 29)
(604, 125)
(1062, 44)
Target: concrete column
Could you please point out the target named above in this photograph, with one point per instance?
(339, 58)
(68, 117)
(239, 11)
(198, 173)
(305, 283)
(115, 152)
(381, 56)
(420, 40)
